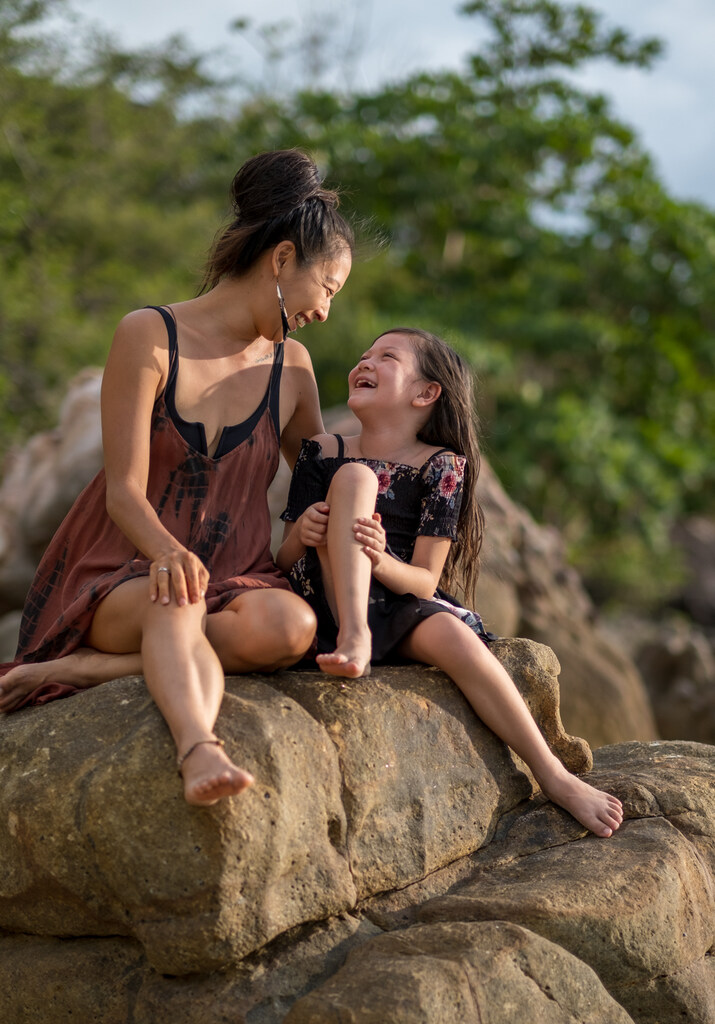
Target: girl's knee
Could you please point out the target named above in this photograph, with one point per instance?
(354, 475)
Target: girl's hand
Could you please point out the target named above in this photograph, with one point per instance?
(313, 525)
(180, 573)
(369, 533)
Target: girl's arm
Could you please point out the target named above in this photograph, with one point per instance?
(134, 376)
(309, 530)
(420, 576)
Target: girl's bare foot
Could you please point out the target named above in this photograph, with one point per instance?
(351, 656)
(350, 659)
(84, 668)
(209, 774)
(599, 812)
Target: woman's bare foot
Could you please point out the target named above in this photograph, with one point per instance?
(209, 774)
(599, 812)
(84, 668)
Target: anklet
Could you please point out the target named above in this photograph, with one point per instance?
(180, 760)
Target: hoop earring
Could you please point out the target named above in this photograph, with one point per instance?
(282, 306)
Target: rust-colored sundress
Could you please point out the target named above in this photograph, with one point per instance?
(216, 506)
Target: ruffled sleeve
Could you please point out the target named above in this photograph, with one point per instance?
(443, 479)
(308, 483)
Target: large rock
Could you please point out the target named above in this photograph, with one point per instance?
(455, 973)
(639, 909)
(253, 905)
(677, 663)
(362, 786)
(100, 841)
(41, 482)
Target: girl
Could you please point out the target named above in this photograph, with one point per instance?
(374, 520)
(163, 565)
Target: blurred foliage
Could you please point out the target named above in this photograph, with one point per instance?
(505, 208)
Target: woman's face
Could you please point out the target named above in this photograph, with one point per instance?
(309, 290)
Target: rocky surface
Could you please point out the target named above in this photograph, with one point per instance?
(362, 787)
(459, 973)
(392, 859)
(676, 660)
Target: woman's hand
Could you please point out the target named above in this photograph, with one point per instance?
(369, 533)
(179, 572)
(312, 526)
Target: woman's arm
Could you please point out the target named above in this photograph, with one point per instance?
(302, 404)
(135, 374)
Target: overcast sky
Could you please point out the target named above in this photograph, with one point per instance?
(671, 106)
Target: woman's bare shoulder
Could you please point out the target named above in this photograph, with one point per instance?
(141, 326)
(140, 345)
(297, 355)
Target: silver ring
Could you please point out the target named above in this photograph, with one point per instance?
(162, 568)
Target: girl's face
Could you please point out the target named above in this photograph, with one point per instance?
(308, 291)
(387, 373)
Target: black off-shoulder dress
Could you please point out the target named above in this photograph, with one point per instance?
(412, 502)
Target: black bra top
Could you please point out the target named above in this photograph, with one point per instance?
(231, 437)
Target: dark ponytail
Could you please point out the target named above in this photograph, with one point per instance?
(278, 197)
(453, 424)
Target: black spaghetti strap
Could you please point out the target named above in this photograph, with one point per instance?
(170, 321)
(274, 388)
(341, 445)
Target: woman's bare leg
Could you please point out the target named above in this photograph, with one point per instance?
(183, 675)
(261, 630)
(442, 640)
(82, 668)
(347, 570)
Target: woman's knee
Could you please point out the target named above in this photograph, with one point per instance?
(267, 629)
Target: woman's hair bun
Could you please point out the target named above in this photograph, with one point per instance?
(273, 184)
(278, 197)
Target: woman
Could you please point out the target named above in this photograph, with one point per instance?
(164, 560)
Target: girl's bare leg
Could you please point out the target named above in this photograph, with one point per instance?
(442, 640)
(347, 570)
(258, 631)
(183, 675)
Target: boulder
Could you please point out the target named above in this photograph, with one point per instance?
(355, 878)
(362, 786)
(100, 841)
(696, 539)
(639, 909)
(677, 663)
(48, 980)
(458, 973)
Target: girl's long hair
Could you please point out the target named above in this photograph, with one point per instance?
(453, 424)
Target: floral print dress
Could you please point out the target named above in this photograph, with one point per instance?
(412, 502)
